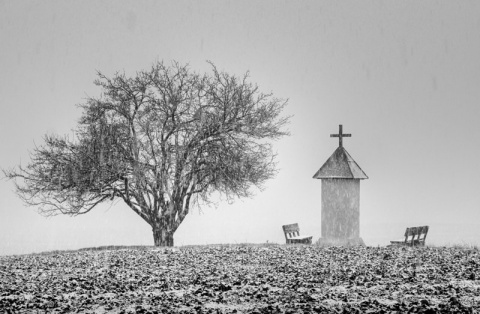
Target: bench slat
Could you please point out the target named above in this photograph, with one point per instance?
(300, 237)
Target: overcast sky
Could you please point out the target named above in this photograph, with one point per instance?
(403, 77)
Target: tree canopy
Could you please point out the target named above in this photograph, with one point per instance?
(162, 141)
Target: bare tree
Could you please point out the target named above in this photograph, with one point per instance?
(162, 141)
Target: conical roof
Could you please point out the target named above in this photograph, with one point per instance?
(340, 166)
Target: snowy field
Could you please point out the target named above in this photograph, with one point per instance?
(243, 279)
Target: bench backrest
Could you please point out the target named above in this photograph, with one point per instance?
(291, 230)
(416, 235)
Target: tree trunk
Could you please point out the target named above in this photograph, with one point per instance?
(162, 236)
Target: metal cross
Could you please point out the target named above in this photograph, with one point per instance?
(340, 135)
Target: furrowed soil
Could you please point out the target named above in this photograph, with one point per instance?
(243, 279)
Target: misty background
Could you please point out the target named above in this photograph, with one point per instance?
(403, 77)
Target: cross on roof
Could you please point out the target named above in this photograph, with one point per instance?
(340, 135)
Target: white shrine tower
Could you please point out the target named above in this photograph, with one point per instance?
(340, 176)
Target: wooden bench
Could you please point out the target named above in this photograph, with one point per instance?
(292, 235)
(414, 236)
